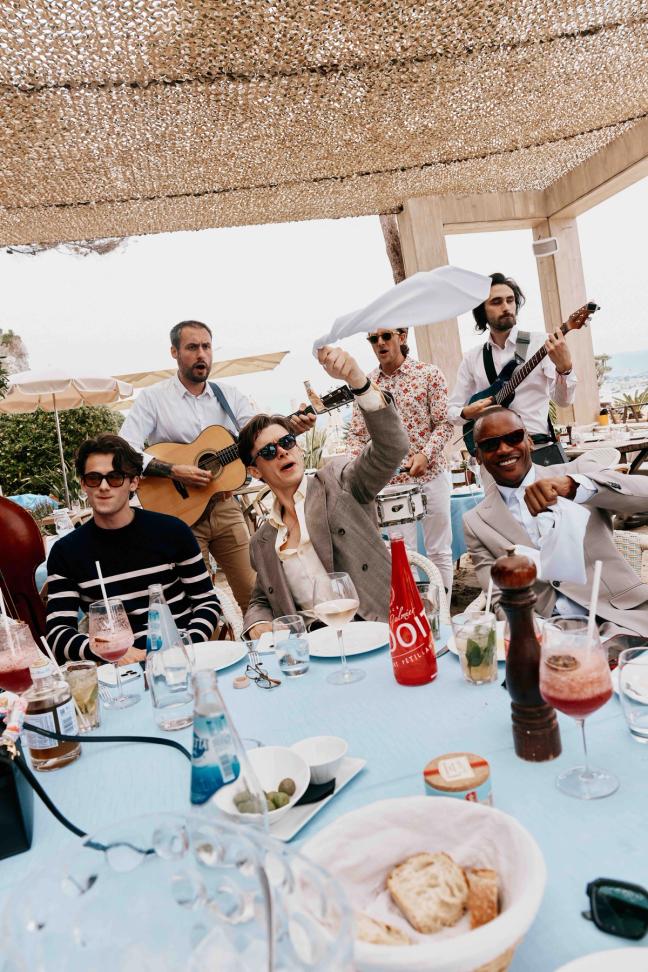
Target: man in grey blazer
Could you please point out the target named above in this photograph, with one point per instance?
(521, 491)
(325, 522)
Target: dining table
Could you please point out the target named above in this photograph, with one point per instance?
(633, 444)
(397, 729)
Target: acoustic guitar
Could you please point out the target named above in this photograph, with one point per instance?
(513, 373)
(215, 449)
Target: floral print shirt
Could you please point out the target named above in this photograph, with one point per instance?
(420, 393)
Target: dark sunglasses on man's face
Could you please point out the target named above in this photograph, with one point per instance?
(511, 438)
(385, 336)
(95, 479)
(618, 908)
(269, 451)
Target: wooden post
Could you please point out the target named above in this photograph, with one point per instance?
(562, 286)
(420, 225)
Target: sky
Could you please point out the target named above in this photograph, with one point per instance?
(277, 287)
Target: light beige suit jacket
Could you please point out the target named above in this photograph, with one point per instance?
(491, 530)
(341, 519)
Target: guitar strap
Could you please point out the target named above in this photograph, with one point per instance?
(521, 351)
(224, 404)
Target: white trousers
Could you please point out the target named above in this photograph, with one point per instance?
(437, 531)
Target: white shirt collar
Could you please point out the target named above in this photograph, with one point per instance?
(508, 492)
(510, 339)
(275, 517)
(182, 391)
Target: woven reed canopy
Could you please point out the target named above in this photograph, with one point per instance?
(121, 117)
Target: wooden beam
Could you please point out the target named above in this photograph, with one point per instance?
(617, 166)
(423, 246)
(562, 287)
(490, 211)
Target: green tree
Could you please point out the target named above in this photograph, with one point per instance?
(4, 381)
(29, 455)
(602, 367)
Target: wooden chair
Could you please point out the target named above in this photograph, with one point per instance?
(633, 547)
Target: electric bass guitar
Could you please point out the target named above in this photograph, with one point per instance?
(215, 449)
(502, 391)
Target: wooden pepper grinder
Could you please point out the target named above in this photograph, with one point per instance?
(535, 728)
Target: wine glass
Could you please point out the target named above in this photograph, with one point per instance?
(575, 679)
(475, 470)
(18, 651)
(335, 602)
(110, 638)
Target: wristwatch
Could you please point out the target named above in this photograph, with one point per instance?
(563, 374)
(361, 391)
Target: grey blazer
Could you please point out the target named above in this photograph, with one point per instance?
(341, 519)
(490, 530)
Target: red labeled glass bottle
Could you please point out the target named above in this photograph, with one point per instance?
(410, 638)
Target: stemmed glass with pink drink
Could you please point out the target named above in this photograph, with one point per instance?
(110, 638)
(18, 651)
(575, 679)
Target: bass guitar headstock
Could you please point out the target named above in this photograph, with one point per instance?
(580, 317)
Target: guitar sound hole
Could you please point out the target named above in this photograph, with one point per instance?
(208, 460)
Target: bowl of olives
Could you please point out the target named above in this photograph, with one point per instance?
(283, 775)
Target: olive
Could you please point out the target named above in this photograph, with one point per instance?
(248, 806)
(243, 797)
(281, 800)
(287, 786)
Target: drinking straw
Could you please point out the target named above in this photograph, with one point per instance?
(52, 658)
(103, 591)
(489, 595)
(594, 600)
(5, 621)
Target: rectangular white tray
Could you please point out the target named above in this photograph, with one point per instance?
(293, 821)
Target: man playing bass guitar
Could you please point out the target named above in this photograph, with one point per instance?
(552, 379)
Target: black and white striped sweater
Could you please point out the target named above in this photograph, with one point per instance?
(152, 549)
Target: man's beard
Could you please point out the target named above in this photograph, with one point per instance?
(503, 324)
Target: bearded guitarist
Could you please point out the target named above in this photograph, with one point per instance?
(177, 410)
(552, 379)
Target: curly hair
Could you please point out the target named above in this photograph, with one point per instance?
(126, 460)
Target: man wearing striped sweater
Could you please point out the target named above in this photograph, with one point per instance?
(134, 547)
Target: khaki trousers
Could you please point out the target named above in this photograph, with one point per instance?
(222, 532)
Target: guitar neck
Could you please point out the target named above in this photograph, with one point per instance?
(524, 370)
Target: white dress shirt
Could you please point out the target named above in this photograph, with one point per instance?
(167, 412)
(532, 396)
(541, 529)
(301, 564)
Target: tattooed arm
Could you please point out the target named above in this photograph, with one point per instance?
(192, 475)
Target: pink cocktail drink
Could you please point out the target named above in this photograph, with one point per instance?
(576, 684)
(12, 678)
(17, 652)
(112, 646)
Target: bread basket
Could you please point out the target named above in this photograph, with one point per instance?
(360, 848)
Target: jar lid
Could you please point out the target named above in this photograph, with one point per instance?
(454, 772)
(42, 668)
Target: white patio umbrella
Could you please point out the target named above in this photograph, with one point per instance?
(56, 391)
(220, 369)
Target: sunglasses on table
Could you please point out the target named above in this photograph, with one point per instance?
(386, 336)
(270, 451)
(511, 438)
(618, 908)
(94, 479)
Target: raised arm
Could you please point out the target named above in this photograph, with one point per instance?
(357, 436)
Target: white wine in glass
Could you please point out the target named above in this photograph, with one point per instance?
(335, 603)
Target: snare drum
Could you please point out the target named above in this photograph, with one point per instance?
(400, 504)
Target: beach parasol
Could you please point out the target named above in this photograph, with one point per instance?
(56, 391)
(220, 369)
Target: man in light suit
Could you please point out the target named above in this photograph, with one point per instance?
(325, 522)
(510, 514)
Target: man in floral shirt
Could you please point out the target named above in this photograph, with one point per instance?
(421, 396)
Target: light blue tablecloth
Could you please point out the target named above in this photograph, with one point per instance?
(458, 506)
(397, 730)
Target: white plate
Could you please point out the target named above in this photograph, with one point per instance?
(501, 657)
(106, 673)
(216, 655)
(359, 636)
(613, 960)
(297, 817)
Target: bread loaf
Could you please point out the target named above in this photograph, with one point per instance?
(430, 890)
(482, 895)
(379, 932)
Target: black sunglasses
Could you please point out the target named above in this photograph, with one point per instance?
(386, 336)
(618, 908)
(94, 479)
(269, 451)
(511, 438)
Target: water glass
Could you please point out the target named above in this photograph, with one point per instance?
(63, 522)
(168, 673)
(475, 636)
(633, 691)
(81, 676)
(291, 644)
(432, 607)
